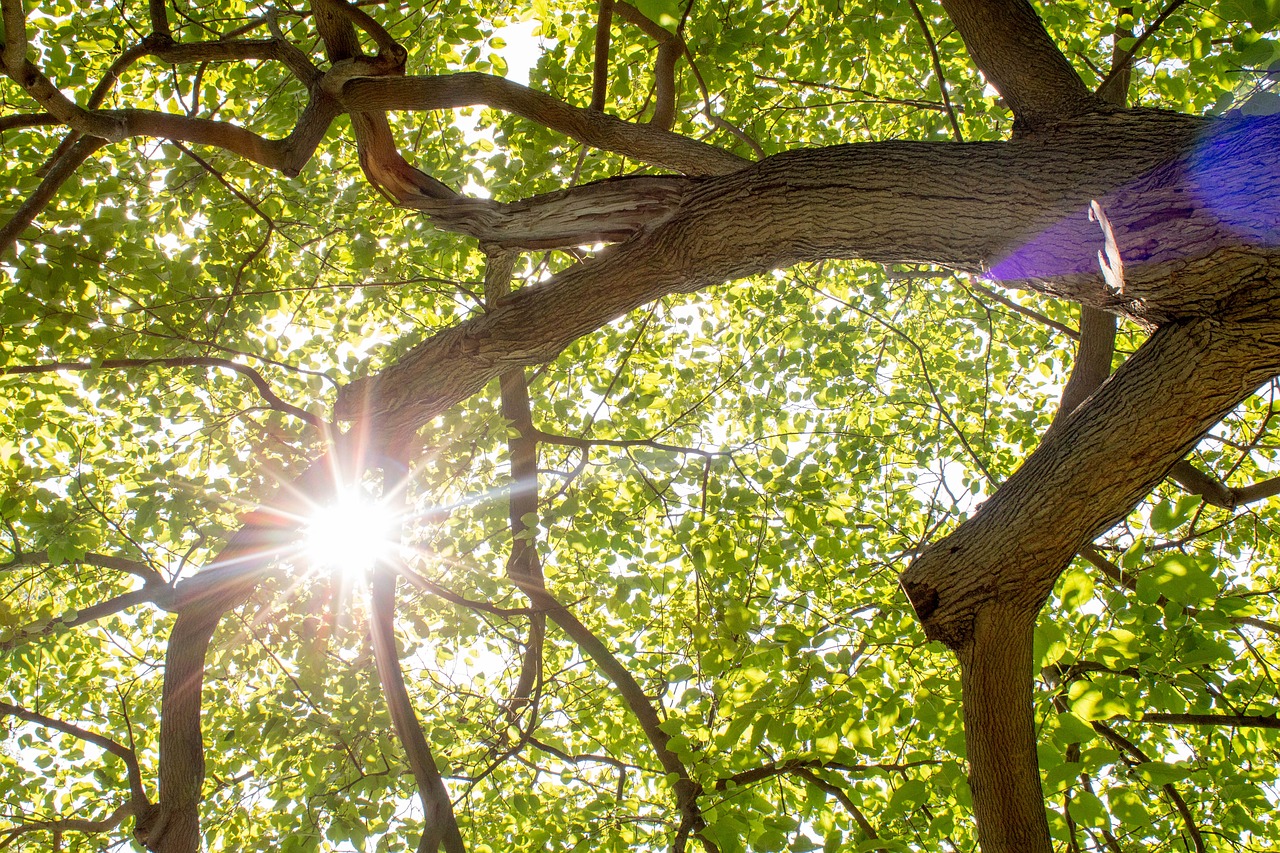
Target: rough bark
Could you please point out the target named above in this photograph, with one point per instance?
(1090, 473)
(996, 681)
(1018, 211)
(1010, 46)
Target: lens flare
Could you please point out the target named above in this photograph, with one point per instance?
(350, 536)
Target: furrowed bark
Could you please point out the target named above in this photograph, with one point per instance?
(1105, 457)
(881, 202)
(996, 681)
(979, 589)
(1009, 44)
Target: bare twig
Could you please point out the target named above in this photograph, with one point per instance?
(937, 70)
(264, 388)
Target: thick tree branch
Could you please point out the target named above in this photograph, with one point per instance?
(879, 202)
(524, 566)
(996, 679)
(1092, 366)
(1097, 328)
(603, 212)
(1018, 543)
(600, 66)
(670, 48)
(1009, 44)
(173, 824)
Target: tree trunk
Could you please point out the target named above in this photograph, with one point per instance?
(996, 678)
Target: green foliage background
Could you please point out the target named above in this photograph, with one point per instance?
(770, 454)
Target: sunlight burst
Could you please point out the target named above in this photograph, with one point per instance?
(350, 535)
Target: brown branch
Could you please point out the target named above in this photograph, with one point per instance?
(47, 95)
(1029, 313)
(1009, 44)
(848, 190)
(62, 168)
(388, 47)
(137, 794)
(864, 96)
(21, 120)
(687, 790)
(260, 383)
(608, 211)
(1120, 65)
(440, 826)
(523, 565)
(1129, 581)
(452, 597)
(937, 70)
(1140, 757)
(642, 142)
(159, 18)
(1097, 342)
(782, 768)
(137, 568)
(13, 53)
(1093, 458)
(1094, 352)
(868, 831)
(600, 69)
(1241, 721)
(1215, 492)
(670, 48)
(70, 824)
(92, 613)
(173, 825)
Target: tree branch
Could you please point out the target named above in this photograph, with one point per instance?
(62, 168)
(92, 613)
(1117, 80)
(600, 68)
(261, 384)
(139, 569)
(70, 824)
(670, 48)
(524, 566)
(1009, 44)
(440, 827)
(1215, 492)
(937, 70)
(1241, 721)
(1017, 544)
(1140, 757)
(642, 142)
(137, 794)
(854, 193)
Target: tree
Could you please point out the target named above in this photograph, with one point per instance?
(796, 283)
